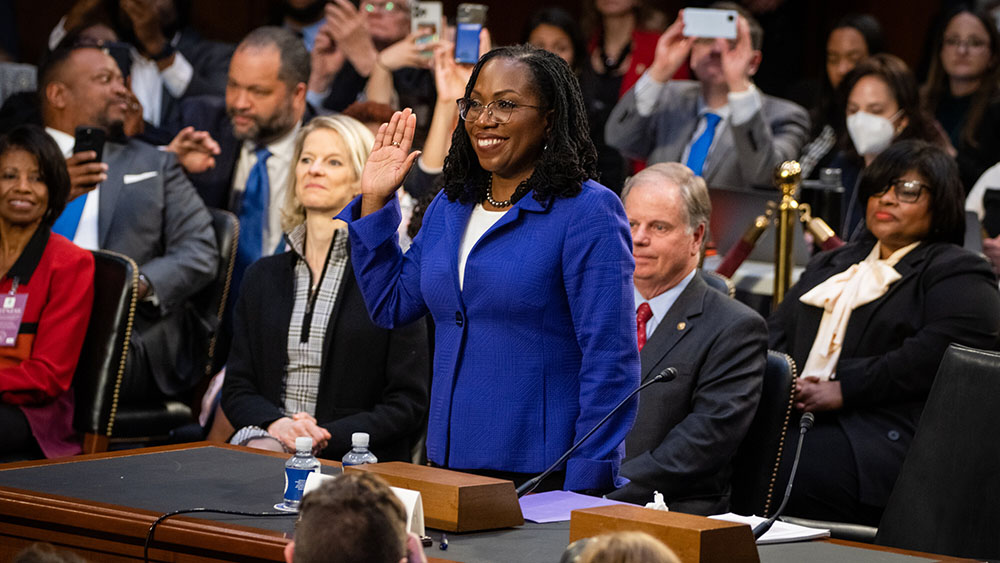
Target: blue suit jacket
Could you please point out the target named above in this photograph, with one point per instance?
(540, 344)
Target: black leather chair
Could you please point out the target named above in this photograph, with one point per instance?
(102, 360)
(156, 422)
(720, 282)
(946, 498)
(755, 486)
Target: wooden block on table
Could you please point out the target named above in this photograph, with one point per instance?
(695, 539)
(454, 501)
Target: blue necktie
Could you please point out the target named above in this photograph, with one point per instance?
(699, 148)
(253, 216)
(69, 220)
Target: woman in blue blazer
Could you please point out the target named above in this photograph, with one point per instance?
(525, 265)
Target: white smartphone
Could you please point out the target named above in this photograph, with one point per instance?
(703, 22)
(425, 19)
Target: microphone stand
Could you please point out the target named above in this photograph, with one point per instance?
(530, 485)
(804, 425)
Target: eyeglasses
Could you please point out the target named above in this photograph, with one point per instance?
(972, 43)
(498, 110)
(384, 6)
(906, 192)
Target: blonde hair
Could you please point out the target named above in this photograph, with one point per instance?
(358, 141)
(627, 547)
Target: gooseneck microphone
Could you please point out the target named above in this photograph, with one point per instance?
(666, 375)
(804, 425)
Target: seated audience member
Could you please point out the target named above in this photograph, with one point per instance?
(882, 106)
(255, 129)
(721, 126)
(868, 324)
(51, 281)
(306, 359)
(625, 547)
(303, 18)
(962, 90)
(169, 60)
(854, 38)
(555, 30)
(688, 429)
(984, 201)
(356, 44)
(139, 203)
(355, 517)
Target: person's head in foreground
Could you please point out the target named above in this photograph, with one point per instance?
(625, 547)
(913, 193)
(355, 517)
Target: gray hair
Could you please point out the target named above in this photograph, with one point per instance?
(694, 192)
(358, 141)
(295, 62)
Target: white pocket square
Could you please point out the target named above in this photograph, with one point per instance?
(133, 178)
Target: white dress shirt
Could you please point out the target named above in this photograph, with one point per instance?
(661, 304)
(279, 171)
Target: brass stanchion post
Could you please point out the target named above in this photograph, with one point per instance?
(787, 178)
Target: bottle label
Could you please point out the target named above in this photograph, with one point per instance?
(295, 483)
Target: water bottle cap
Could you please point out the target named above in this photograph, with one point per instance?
(359, 439)
(304, 443)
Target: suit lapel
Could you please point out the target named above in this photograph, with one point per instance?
(686, 115)
(862, 316)
(675, 325)
(110, 190)
(456, 218)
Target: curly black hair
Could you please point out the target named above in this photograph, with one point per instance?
(569, 158)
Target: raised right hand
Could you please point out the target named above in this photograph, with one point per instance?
(672, 49)
(84, 173)
(389, 162)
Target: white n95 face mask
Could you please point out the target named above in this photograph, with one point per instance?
(871, 134)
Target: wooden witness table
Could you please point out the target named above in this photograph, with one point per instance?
(101, 507)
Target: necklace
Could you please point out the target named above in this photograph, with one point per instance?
(489, 195)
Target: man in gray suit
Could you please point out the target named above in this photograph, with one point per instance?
(136, 202)
(688, 429)
(720, 126)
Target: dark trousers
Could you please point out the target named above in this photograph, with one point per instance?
(827, 486)
(16, 441)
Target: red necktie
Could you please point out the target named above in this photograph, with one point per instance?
(642, 314)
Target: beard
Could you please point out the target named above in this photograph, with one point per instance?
(113, 125)
(264, 129)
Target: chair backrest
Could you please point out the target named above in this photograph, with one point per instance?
(945, 499)
(720, 282)
(102, 360)
(757, 461)
(214, 296)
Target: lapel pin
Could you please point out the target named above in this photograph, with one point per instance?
(681, 325)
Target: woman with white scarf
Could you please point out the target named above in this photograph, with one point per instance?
(868, 324)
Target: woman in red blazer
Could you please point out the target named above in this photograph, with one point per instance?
(46, 293)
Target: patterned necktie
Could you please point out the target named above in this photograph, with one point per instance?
(699, 148)
(253, 216)
(642, 314)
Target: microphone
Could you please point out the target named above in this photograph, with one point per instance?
(804, 425)
(667, 374)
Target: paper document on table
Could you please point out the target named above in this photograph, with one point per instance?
(411, 500)
(555, 506)
(780, 532)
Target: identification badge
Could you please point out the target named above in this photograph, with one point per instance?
(10, 317)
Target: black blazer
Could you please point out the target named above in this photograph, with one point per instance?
(688, 429)
(892, 346)
(373, 380)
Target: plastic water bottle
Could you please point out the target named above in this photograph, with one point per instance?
(297, 469)
(359, 454)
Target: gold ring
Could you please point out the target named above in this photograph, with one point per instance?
(395, 143)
